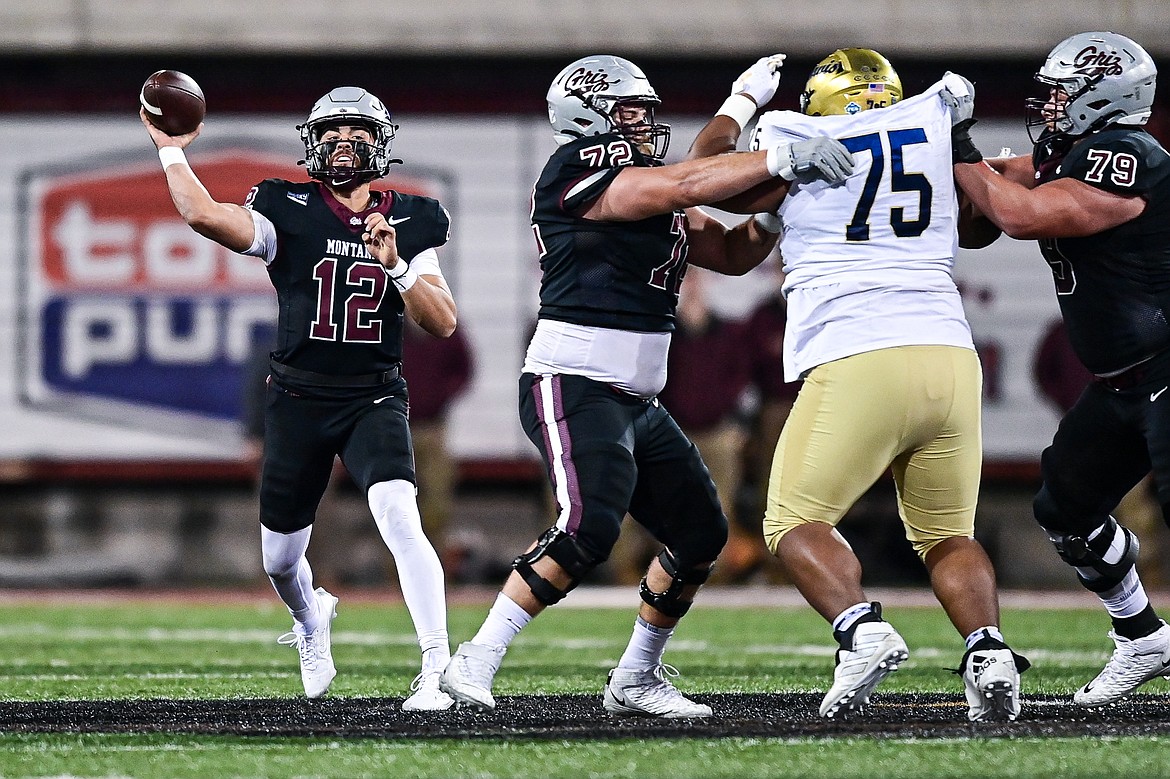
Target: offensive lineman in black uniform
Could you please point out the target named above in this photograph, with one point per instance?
(347, 264)
(615, 230)
(1096, 194)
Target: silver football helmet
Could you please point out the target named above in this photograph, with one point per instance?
(353, 106)
(585, 97)
(1109, 79)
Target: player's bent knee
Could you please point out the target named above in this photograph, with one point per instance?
(1103, 559)
(776, 528)
(565, 551)
(923, 546)
(670, 601)
(1047, 512)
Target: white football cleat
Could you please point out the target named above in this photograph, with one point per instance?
(877, 652)
(315, 648)
(634, 692)
(427, 695)
(991, 680)
(468, 676)
(1134, 662)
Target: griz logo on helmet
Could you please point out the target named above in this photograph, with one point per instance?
(1091, 61)
(588, 81)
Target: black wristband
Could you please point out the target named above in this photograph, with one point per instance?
(963, 149)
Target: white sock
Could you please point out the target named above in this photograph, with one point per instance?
(1126, 599)
(990, 631)
(849, 616)
(647, 644)
(290, 574)
(435, 658)
(504, 621)
(420, 574)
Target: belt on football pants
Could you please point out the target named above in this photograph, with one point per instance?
(1135, 375)
(335, 380)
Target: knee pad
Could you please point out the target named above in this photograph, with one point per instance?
(668, 602)
(563, 550)
(1088, 554)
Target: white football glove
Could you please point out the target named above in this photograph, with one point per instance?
(761, 80)
(816, 159)
(959, 95)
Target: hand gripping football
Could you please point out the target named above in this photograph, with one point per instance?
(173, 102)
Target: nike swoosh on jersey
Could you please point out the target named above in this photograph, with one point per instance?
(392, 221)
(1154, 395)
(379, 400)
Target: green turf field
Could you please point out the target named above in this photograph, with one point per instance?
(159, 649)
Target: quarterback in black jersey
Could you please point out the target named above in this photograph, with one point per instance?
(348, 263)
(615, 230)
(1096, 194)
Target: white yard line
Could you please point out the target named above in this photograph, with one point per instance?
(586, 596)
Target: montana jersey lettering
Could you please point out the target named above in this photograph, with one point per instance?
(1114, 286)
(620, 275)
(339, 312)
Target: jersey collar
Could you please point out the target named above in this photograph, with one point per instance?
(355, 220)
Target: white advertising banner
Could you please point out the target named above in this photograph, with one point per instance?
(124, 335)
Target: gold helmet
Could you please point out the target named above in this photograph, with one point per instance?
(849, 81)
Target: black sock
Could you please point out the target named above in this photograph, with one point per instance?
(1139, 625)
(845, 637)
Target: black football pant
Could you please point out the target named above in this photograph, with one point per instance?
(609, 453)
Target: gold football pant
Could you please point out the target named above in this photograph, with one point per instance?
(912, 409)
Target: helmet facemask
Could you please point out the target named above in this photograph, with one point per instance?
(353, 107)
(633, 119)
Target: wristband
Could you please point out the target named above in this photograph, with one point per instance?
(172, 155)
(405, 280)
(739, 107)
(780, 161)
(769, 223)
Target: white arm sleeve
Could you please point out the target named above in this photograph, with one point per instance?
(426, 263)
(264, 244)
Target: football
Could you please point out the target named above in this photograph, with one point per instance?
(173, 102)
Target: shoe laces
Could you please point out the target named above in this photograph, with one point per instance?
(305, 647)
(426, 679)
(665, 672)
(661, 685)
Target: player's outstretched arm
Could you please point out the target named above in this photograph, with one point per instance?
(754, 88)
(1064, 208)
(734, 251)
(227, 224)
(427, 297)
(639, 193)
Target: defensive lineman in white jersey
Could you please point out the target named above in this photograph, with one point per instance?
(868, 263)
(891, 380)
